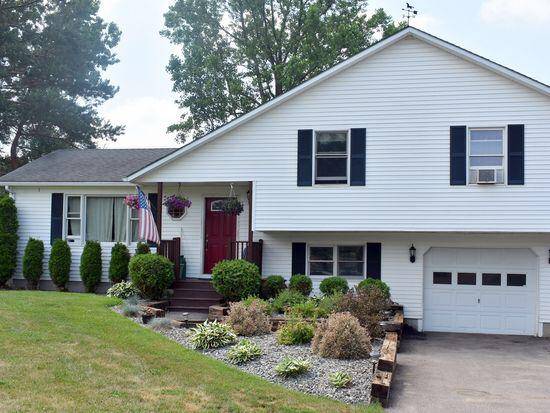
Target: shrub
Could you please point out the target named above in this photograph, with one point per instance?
(152, 274)
(236, 279)
(90, 265)
(142, 248)
(131, 310)
(301, 283)
(287, 298)
(33, 262)
(367, 305)
(307, 309)
(295, 332)
(249, 320)
(123, 290)
(315, 307)
(160, 324)
(271, 286)
(339, 379)
(333, 285)
(60, 263)
(8, 238)
(248, 301)
(212, 335)
(118, 267)
(328, 305)
(341, 337)
(245, 350)
(375, 283)
(291, 367)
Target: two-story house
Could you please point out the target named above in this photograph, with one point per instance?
(415, 161)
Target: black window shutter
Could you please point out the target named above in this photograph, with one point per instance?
(374, 260)
(298, 258)
(358, 147)
(305, 157)
(153, 202)
(458, 155)
(516, 157)
(56, 228)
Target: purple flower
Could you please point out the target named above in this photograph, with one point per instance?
(132, 201)
(176, 202)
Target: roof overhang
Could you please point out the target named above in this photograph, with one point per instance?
(120, 184)
(409, 31)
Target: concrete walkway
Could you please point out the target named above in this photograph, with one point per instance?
(472, 373)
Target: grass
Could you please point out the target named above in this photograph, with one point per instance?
(70, 352)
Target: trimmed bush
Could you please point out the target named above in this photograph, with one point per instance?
(8, 238)
(301, 283)
(123, 290)
(212, 335)
(334, 285)
(375, 283)
(33, 262)
(118, 267)
(142, 248)
(367, 305)
(249, 320)
(341, 337)
(291, 367)
(271, 286)
(295, 332)
(151, 274)
(90, 265)
(245, 350)
(286, 299)
(236, 279)
(60, 263)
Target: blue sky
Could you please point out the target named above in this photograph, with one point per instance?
(515, 33)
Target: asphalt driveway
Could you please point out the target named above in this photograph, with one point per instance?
(472, 373)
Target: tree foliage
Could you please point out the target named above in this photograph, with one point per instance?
(8, 238)
(236, 55)
(52, 54)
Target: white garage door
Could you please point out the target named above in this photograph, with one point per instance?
(480, 290)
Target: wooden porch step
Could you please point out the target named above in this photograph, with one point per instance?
(190, 309)
(203, 294)
(193, 302)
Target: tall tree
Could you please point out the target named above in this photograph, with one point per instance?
(52, 55)
(238, 54)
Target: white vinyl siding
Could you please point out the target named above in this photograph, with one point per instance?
(407, 97)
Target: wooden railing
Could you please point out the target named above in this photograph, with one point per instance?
(171, 249)
(242, 250)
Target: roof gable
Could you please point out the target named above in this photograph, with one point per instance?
(381, 45)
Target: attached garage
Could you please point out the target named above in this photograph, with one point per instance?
(480, 290)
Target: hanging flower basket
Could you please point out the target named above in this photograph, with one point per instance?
(232, 206)
(132, 201)
(177, 205)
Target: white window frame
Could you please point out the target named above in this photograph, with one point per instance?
(335, 258)
(348, 157)
(504, 155)
(83, 208)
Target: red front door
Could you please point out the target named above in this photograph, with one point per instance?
(220, 230)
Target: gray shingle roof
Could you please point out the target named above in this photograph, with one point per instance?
(86, 165)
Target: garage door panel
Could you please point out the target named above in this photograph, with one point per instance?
(506, 308)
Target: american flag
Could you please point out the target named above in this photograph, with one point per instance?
(147, 228)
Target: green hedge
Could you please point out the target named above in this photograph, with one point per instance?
(142, 248)
(333, 285)
(301, 283)
(375, 283)
(236, 279)
(118, 267)
(152, 274)
(8, 238)
(60, 263)
(33, 262)
(90, 265)
(272, 286)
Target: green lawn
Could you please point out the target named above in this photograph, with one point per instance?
(70, 352)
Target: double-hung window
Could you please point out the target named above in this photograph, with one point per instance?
(486, 151)
(342, 260)
(73, 222)
(331, 157)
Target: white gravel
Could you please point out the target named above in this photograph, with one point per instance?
(315, 381)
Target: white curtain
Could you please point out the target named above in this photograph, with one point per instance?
(119, 220)
(99, 219)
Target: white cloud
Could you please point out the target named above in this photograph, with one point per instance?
(426, 22)
(515, 11)
(146, 119)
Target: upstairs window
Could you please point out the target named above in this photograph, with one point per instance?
(486, 151)
(331, 157)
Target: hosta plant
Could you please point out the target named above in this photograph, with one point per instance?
(212, 335)
(340, 379)
(244, 351)
(123, 290)
(290, 367)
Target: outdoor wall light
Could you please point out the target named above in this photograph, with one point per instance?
(412, 253)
